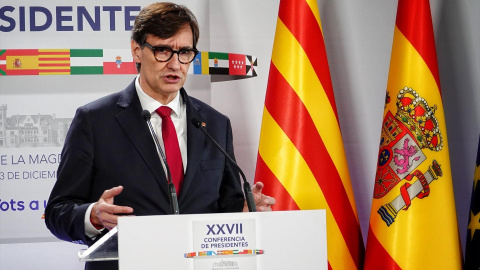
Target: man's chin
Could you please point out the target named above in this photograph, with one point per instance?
(172, 88)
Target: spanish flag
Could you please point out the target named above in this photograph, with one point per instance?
(19, 62)
(301, 158)
(413, 223)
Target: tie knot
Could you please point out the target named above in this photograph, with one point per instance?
(164, 111)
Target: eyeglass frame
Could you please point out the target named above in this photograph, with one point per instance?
(154, 48)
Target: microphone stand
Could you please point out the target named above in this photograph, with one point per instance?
(246, 186)
(172, 194)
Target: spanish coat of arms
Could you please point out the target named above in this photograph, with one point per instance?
(405, 136)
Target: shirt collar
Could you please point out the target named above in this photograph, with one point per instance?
(150, 104)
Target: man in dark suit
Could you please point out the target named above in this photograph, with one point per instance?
(110, 165)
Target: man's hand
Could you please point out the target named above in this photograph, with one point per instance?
(262, 201)
(104, 211)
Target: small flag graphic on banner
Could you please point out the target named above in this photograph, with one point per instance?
(196, 65)
(218, 63)
(301, 158)
(54, 61)
(118, 62)
(237, 64)
(413, 223)
(86, 61)
(251, 65)
(3, 62)
(19, 62)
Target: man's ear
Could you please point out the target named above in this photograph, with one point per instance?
(136, 51)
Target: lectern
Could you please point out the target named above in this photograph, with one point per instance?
(231, 241)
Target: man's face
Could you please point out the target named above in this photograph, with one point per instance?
(162, 80)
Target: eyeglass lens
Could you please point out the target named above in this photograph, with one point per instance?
(165, 54)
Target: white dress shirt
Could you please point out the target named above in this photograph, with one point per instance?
(179, 119)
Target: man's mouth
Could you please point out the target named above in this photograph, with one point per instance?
(172, 78)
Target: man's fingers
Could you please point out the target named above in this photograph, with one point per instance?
(110, 193)
(104, 211)
(269, 201)
(113, 209)
(264, 209)
(110, 226)
(266, 204)
(121, 209)
(109, 221)
(262, 201)
(107, 215)
(257, 187)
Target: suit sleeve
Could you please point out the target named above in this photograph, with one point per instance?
(231, 194)
(71, 194)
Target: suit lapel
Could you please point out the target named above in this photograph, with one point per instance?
(130, 119)
(195, 145)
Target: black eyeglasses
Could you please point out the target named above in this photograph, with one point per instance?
(164, 54)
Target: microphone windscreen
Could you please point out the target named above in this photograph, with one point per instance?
(196, 122)
(146, 115)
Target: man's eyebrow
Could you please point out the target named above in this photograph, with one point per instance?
(186, 47)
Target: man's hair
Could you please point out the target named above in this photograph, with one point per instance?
(163, 20)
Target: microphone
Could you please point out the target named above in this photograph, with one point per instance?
(172, 194)
(246, 186)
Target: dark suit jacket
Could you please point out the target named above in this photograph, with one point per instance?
(109, 144)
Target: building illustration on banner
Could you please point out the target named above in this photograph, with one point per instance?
(29, 130)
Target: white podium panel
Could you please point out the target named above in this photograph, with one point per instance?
(282, 240)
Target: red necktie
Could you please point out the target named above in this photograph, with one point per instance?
(172, 149)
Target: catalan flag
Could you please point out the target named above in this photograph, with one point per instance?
(301, 158)
(413, 223)
(54, 61)
(472, 260)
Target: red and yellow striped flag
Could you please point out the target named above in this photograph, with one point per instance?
(413, 223)
(54, 61)
(301, 158)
